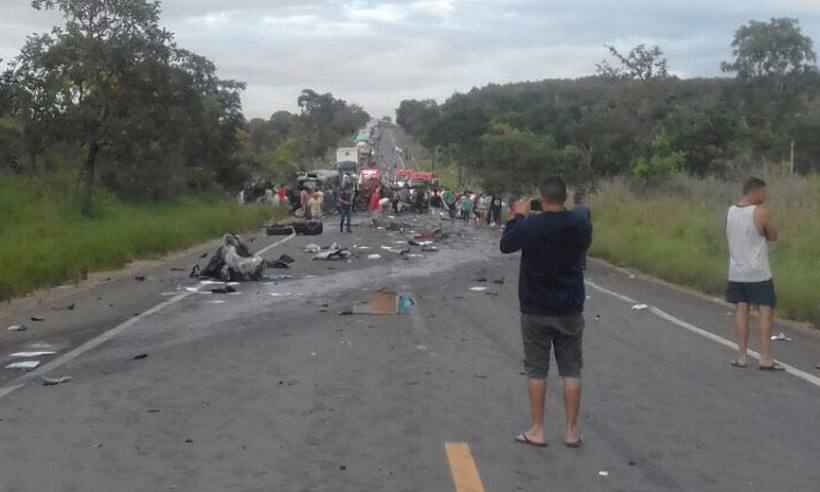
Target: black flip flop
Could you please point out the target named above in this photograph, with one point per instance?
(773, 368)
(574, 445)
(739, 365)
(523, 439)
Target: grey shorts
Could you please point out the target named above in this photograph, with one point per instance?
(563, 335)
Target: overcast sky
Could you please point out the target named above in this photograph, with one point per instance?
(378, 52)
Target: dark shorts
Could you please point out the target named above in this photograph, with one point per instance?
(563, 335)
(752, 293)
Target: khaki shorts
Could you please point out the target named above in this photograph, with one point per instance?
(544, 334)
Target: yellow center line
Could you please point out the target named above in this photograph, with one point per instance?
(463, 468)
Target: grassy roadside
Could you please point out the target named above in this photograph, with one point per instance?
(44, 241)
(677, 234)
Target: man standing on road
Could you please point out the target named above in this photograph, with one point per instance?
(749, 229)
(552, 295)
(345, 208)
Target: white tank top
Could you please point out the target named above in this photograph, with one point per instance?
(748, 249)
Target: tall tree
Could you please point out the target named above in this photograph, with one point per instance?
(82, 66)
(641, 63)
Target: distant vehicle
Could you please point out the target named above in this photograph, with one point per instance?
(347, 160)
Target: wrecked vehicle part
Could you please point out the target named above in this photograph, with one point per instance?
(47, 381)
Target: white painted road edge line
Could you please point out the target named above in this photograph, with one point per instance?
(277, 243)
(798, 373)
(108, 335)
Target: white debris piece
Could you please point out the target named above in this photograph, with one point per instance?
(640, 307)
(17, 328)
(374, 257)
(478, 289)
(312, 248)
(26, 364)
(31, 355)
(781, 337)
(603, 473)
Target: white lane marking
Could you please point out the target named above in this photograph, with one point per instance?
(277, 243)
(106, 336)
(798, 373)
(614, 294)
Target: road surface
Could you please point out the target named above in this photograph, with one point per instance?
(272, 391)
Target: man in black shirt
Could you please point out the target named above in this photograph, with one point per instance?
(552, 295)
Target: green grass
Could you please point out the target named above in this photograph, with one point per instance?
(678, 234)
(44, 240)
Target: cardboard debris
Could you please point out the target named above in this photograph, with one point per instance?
(383, 303)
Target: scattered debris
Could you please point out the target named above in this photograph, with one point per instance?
(217, 301)
(429, 249)
(31, 355)
(481, 280)
(374, 257)
(17, 328)
(603, 473)
(383, 302)
(227, 289)
(492, 293)
(189, 441)
(632, 463)
(234, 261)
(178, 269)
(597, 317)
(38, 319)
(204, 255)
(312, 248)
(640, 307)
(70, 307)
(153, 410)
(140, 357)
(781, 337)
(47, 381)
(342, 468)
(286, 259)
(304, 228)
(499, 281)
(26, 365)
(140, 278)
(335, 253)
(478, 289)
(422, 348)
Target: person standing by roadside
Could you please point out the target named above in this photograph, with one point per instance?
(345, 208)
(467, 207)
(749, 229)
(552, 296)
(495, 210)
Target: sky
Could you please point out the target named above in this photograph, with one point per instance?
(378, 52)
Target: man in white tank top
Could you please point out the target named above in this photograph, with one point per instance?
(749, 230)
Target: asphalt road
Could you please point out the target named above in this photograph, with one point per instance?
(272, 390)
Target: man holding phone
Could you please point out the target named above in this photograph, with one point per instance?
(552, 296)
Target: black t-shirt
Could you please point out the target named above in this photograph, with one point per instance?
(553, 246)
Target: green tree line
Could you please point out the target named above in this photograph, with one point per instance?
(109, 97)
(632, 117)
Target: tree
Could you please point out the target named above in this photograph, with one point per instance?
(79, 70)
(663, 161)
(641, 63)
(775, 49)
(776, 65)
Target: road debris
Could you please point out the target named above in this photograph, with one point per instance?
(312, 249)
(217, 301)
(17, 328)
(38, 319)
(382, 303)
(227, 289)
(640, 307)
(500, 281)
(178, 269)
(335, 253)
(478, 289)
(233, 261)
(374, 257)
(429, 249)
(603, 473)
(781, 337)
(25, 365)
(140, 357)
(481, 280)
(70, 307)
(47, 381)
(32, 355)
(140, 278)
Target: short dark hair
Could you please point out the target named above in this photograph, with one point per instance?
(554, 190)
(752, 185)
